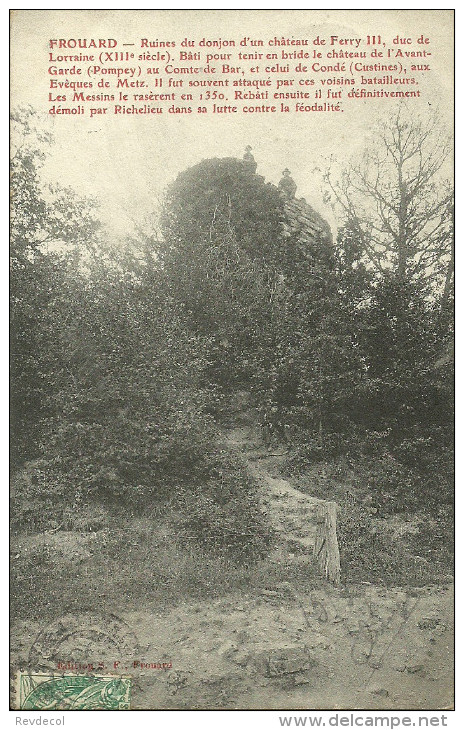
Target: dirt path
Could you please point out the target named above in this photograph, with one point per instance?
(325, 648)
(291, 512)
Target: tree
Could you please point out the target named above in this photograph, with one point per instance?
(44, 218)
(50, 227)
(395, 253)
(316, 368)
(109, 396)
(398, 201)
(395, 268)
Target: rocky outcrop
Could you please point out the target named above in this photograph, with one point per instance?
(303, 224)
(301, 221)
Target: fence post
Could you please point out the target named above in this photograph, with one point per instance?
(326, 550)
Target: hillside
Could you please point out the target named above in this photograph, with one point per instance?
(232, 435)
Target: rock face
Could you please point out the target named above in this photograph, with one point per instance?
(304, 224)
(301, 223)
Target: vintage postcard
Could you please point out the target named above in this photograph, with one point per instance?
(232, 269)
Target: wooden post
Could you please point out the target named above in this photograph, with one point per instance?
(326, 550)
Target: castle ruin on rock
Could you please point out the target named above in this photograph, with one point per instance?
(301, 222)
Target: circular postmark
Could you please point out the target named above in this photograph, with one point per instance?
(87, 641)
(78, 661)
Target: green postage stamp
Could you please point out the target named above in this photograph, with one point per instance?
(72, 692)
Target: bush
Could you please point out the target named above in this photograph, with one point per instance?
(212, 497)
(370, 551)
(224, 514)
(315, 450)
(415, 474)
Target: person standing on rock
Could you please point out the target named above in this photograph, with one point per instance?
(287, 185)
(248, 160)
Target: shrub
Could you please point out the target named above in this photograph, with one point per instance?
(224, 515)
(369, 551)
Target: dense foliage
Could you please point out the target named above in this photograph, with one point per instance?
(123, 363)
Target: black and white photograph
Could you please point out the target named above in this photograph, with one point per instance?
(232, 361)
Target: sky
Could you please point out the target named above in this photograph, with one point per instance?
(127, 162)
